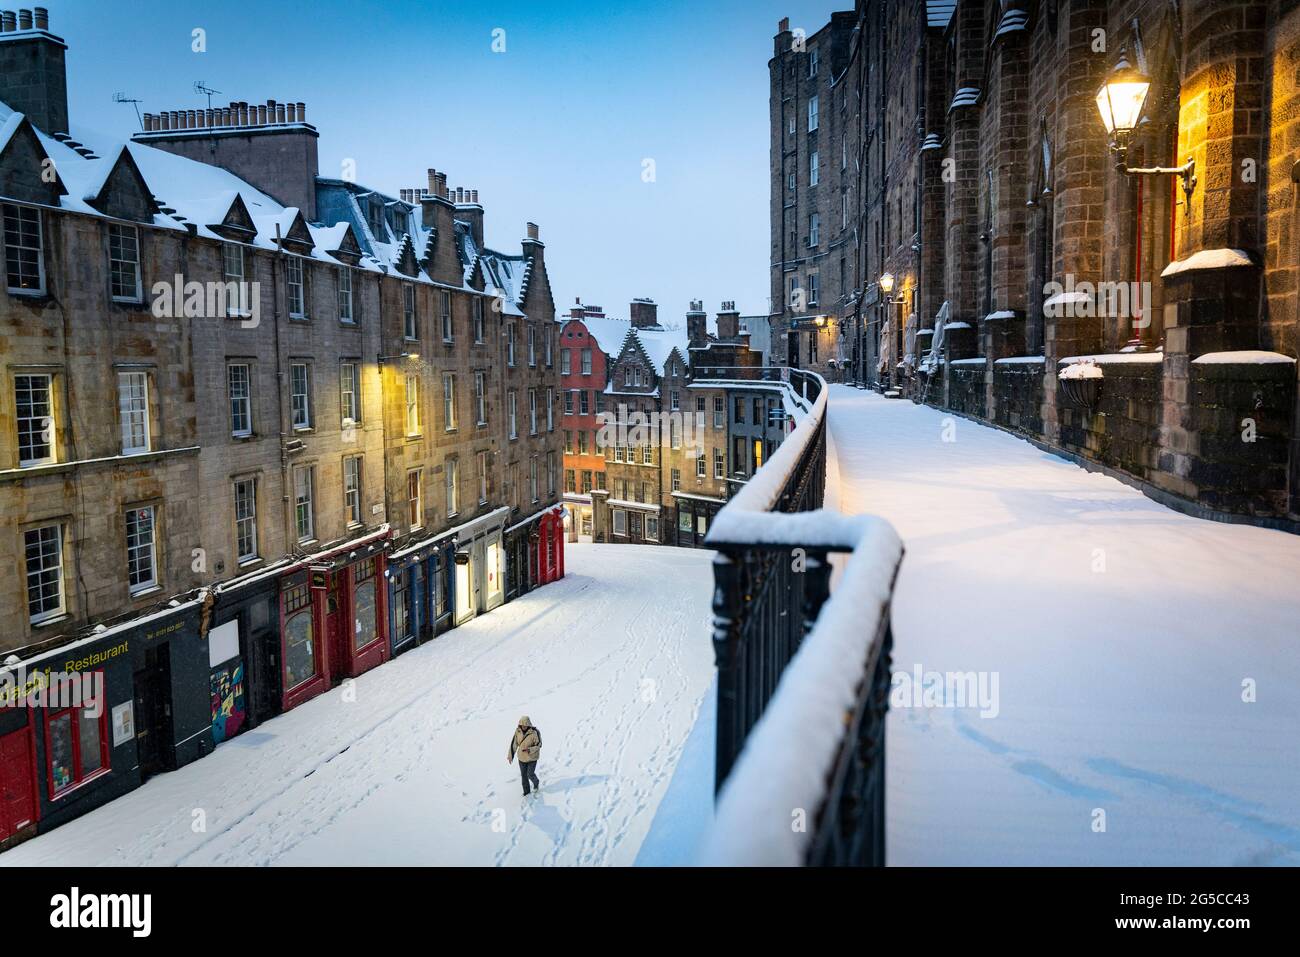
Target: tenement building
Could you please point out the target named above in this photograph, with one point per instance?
(1073, 219)
(260, 430)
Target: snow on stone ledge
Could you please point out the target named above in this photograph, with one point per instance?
(1151, 357)
(1209, 259)
(791, 752)
(1245, 357)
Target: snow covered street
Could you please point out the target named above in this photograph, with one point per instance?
(1147, 664)
(611, 663)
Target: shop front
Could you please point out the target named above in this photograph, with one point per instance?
(694, 516)
(332, 620)
(419, 586)
(244, 656)
(83, 724)
(479, 567)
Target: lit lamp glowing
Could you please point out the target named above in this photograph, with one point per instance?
(887, 283)
(1120, 101)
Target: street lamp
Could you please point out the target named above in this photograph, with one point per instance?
(1120, 101)
(410, 356)
(887, 283)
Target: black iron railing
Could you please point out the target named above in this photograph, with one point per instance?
(772, 575)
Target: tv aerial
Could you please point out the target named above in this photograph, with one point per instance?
(123, 98)
(204, 90)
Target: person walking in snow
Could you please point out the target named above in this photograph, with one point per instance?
(527, 744)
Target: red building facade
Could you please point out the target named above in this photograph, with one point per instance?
(584, 355)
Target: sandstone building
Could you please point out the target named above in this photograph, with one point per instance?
(260, 430)
(1021, 250)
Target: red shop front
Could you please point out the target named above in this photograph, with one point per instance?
(333, 619)
(548, 549)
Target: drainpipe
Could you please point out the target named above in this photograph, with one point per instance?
(286, 497)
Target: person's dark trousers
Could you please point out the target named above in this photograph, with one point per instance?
(527, 772)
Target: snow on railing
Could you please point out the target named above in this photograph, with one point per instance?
(802, 675)
(789, 759)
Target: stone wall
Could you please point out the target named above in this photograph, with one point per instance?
(1123, 431)
(1018, 395)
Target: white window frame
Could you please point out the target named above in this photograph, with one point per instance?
(511, 411)
(448, 331)
(619, 523)
(482, 478)
(133, 411)
(240, 405)
(304, 507)
(142, 549)
(413, 404)
(352, 466)
(410, 320)
(532, 411)
(46, 422)
(245, 519)
(480, 397)
(232, 271)
(480, 333)
(550, 409)
(295, 280)
(300, 398)
(451, 467)
(415, 503)
(347, 315)
(349, 393)
(586, 361)
(449, 401)
(814, 168)
(49, 554)
(813, 104)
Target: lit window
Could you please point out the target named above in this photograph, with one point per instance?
(410, 325)
(412, 404)
(449, 400)
(415, 498)
(453, 504)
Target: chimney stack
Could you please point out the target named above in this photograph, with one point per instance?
(644, 313)
(697, 323)
(33, 78)
(728, 321)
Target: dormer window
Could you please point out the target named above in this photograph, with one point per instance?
(375, 208)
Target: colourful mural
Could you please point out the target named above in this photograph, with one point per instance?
(229, 708)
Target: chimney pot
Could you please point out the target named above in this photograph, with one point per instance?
(475, 199)
(42, 18)
(302, 112)
(8, 22)
(783, 26)
(279, 113)
(532, 230)
(433, 179)
(24, 19)
(441, 185)
(291, 112)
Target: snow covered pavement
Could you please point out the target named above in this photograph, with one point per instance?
(1125, 640)
(611, 663)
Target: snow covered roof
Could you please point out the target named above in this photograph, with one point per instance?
(610, 334)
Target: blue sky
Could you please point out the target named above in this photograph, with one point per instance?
(554, 130)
